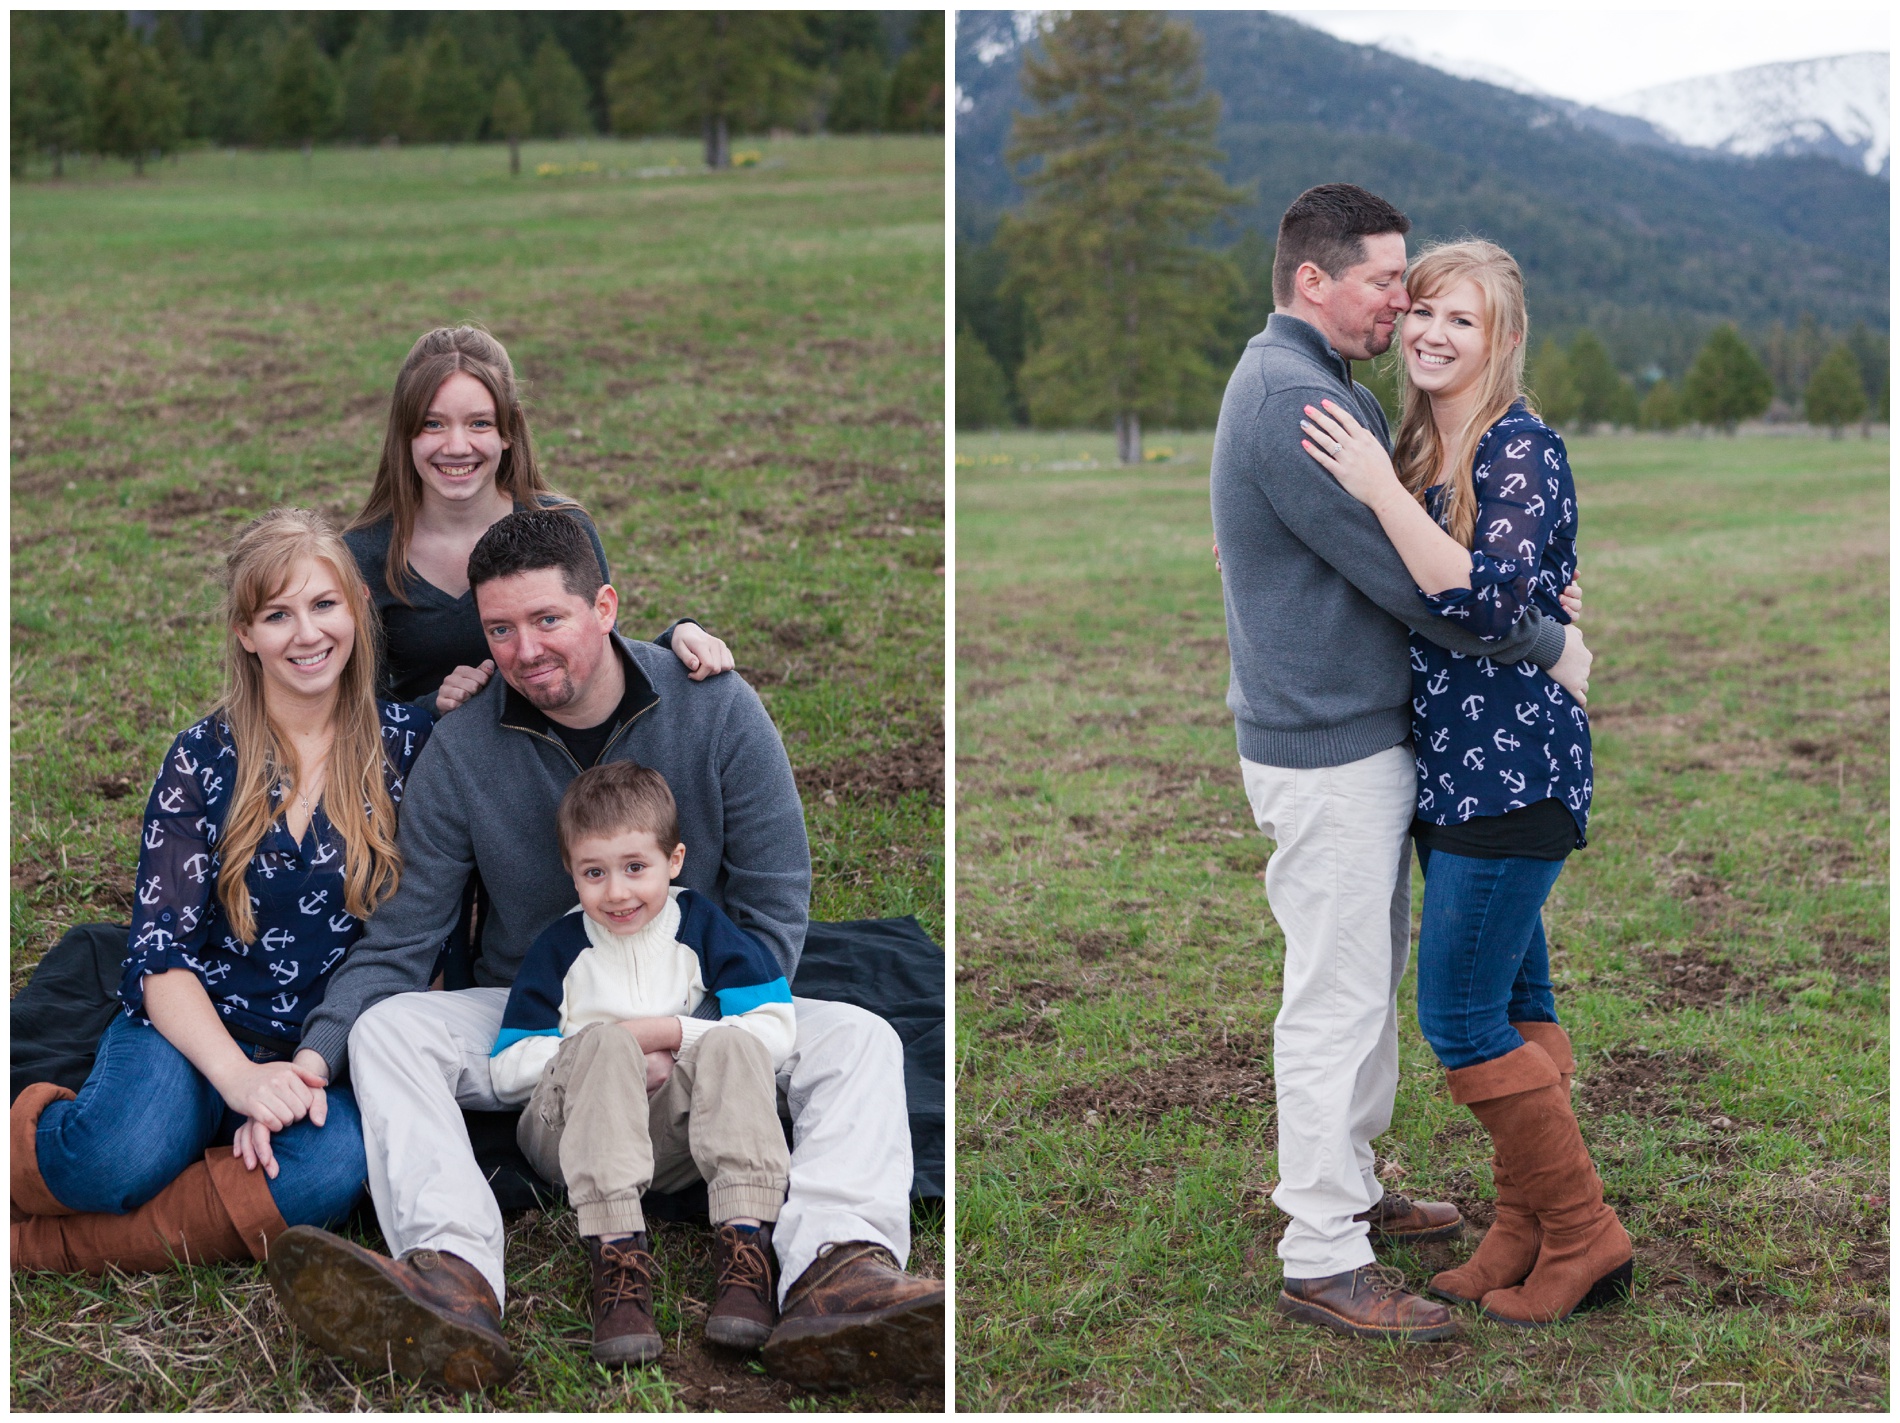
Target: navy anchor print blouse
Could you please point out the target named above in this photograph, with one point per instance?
(262, 989)
(1489, 738)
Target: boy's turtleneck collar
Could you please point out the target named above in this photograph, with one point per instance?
(662, 928)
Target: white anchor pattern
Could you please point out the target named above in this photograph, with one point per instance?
(1491, 738)
(303, 932)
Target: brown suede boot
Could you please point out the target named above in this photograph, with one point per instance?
(26, 1185)
(624, 1331)
(216, 1210)
(1509, 1249)
(854, 1318)
(1584, 1259)
(429, 1316)
(746, 1308)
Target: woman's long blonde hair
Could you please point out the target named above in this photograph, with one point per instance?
(355, 797)
(1419, 453)
(397, 491)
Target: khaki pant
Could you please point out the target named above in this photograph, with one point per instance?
(1340, 885)
(591, 1126)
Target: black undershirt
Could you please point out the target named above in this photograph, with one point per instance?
(1543, 830)
(585, 743)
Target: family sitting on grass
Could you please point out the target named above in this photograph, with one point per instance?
(650, 1030)
(1334, 539)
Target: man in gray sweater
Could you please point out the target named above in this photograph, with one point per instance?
(1318, 603)
(482, 798)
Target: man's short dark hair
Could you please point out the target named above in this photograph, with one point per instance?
(532, 539)
(610, 800)
(1328, 226)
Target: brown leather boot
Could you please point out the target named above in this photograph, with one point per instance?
(854, 1318)
(624, 1331)
(216, 1210)
(746, 1308)
(1399, 1220)
(1509, 1249)
(26, 1185)
(428, 1316)
(1370, 1302)
(1584, 1258)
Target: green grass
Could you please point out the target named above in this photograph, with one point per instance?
(739, 374)
(1720, 951)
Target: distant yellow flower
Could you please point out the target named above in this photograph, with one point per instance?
(745, 158)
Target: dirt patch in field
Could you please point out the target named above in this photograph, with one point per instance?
(1636, 1080)
(1236, 1071)
(884, 775)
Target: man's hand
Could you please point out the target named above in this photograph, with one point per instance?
(1571, 599)
(1572, 670)
(702, 654)
(659, 1068)
(461, 684)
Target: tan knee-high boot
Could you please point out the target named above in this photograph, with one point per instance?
(26, 1187)
(1584, 1257)
(1509, 1249)
(217, 1209)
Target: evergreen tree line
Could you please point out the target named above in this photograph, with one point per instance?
(1101, 302)
(96, 83)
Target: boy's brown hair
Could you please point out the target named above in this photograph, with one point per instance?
(614, 798)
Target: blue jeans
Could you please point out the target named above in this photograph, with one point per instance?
(146, 1114)
(1482, 960)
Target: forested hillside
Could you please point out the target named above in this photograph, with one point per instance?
(1651, 246)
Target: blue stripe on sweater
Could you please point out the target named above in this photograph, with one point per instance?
(734, 1001)
(510, 1036)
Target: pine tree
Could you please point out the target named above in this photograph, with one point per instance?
(916, 93)
(450, 105)
(1662, 408)
(1603, 396)
(709, 71)
(558, 93)
(1871, 354)
(136, 109)
(49, 88)
(303, 95)
(1553, 392)
(1834, 396)
(982, 392)
(1728, 383)
(511, 119)
(862, 95)
(1120, 184)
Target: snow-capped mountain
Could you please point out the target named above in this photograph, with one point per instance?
(1835, 107)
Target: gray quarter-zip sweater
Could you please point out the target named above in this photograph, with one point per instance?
(1318, 600)
(483, 794)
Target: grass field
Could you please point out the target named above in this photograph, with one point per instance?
(739, 374)
(1720, 952)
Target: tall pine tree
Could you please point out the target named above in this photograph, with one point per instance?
(1119, 148)
(1834, 396)
(710, 71)
(1728, 383)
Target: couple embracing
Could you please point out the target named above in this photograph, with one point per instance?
(1405, 667)
(311, 851)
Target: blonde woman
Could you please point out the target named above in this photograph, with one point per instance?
(1482, 508)
(269, 837)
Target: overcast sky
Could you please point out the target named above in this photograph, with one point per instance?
(1591, 55)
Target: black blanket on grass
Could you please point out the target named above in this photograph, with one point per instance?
(889, 966)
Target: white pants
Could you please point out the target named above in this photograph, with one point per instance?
(417, 1058)
(1340, 885)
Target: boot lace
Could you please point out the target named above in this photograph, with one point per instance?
(1383, 1280)
(626, 1276)
(746, 1267)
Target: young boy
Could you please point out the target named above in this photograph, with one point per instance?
(626, 1087)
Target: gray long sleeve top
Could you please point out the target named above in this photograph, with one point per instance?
(1318, 601)
(483, 795)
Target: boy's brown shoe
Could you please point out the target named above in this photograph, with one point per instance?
(1370, 1302)
(746, 1306)
(1399, 1220)
(855, 1318)
(624, 1332)
(428, 1316)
